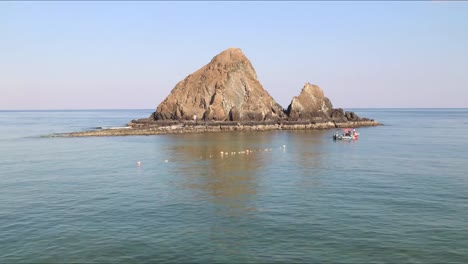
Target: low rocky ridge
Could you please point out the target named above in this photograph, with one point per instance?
(225, 95)
(140, 127)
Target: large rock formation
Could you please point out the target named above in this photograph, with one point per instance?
(225, 89)
(310, 104)
(313, 105)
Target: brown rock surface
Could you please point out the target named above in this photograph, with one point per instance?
(339, 115)
(225, 89)
(310, 104)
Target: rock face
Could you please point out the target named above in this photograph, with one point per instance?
(226, 89)
(310, 104)
(339, 115)
(313, 105)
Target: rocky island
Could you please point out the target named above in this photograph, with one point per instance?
(225, 95)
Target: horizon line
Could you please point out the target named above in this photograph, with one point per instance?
(123, 109)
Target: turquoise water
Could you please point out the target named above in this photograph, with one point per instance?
(398, 194)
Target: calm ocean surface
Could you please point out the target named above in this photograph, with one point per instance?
(398, 194)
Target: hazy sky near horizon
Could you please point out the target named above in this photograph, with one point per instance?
(108, 55)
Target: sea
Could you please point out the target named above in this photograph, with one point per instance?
(398, 194)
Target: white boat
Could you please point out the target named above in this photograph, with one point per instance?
(348, 134)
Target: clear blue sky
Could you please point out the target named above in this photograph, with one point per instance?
(104, 55)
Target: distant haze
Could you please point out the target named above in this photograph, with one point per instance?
(107, 55)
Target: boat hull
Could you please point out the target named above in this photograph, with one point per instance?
(343, 137)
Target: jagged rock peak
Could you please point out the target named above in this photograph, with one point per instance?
(311, 103)
(229, 55)
(312, 89)
(233, 59)
(225, 89)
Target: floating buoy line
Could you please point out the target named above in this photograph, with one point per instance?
(223, 154)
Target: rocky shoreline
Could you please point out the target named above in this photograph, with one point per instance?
(141, 128)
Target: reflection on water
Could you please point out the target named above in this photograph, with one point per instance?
(242, 189)
(228, 180)
(308, 154)
(233, 181)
